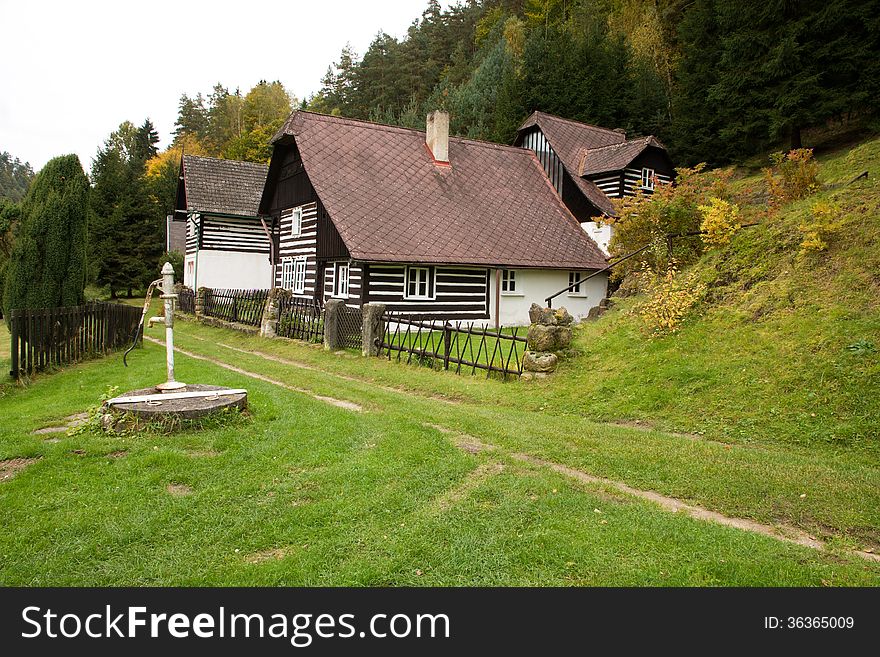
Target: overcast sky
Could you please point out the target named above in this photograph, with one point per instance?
(71, 71)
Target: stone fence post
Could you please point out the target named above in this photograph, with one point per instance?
(269, 321)
(373, 328)
(200, 300)
(549, 333)
(332, 320)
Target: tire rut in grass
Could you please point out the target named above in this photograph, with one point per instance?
(781, 532)
(340, 403)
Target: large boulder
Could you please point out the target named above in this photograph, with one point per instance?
(548, 338)
(536, 361)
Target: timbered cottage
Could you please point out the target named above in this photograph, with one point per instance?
(425, 223)
(589, 166)
(226, 243)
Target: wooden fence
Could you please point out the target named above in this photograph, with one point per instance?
(456, 346)
(242, 306)
(302, 319)
(46, 337)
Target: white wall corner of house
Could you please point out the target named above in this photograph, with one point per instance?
(229, 269)
(600, 233)
(535, 285)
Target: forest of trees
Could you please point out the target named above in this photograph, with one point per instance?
(717, 81)
(15, 177)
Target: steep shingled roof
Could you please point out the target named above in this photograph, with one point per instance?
(614, 157)
(389, 200)
(224, 186)
(568, 139)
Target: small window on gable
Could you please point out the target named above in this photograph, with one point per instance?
(342, 280)
(419, 283)
(648, 179)
(295, 216)
(508, 281)
(575, 279)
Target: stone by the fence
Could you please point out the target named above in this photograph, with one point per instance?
(563, 317)
(536, 361)
(269, 322)
(548, 338)
(531, 376)
(543, 316)
(373, 328)
(332, 333)
(200, 300)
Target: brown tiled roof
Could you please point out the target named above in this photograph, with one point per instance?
(568, 139)
(614, 157)
(224, 186)
(492, 205)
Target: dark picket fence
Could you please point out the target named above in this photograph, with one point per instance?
(242, 306)
(301, 319)
(456, 346)
(45, 337)
(186, 301)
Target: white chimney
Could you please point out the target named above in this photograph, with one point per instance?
(437, 135)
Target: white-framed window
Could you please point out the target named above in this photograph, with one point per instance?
(299, 275)
(287, 273)
(647, 178)
(293, 274)
(341, 283)
(508, 281)
(418, 283)
(295, 215)
(575, 279)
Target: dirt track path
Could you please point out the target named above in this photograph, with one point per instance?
(785, 533)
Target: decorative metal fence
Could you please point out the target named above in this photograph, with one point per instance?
(351, 326)
(301, 319)
(456, 346)
(186, 301)
(46, 337)
(242, 306)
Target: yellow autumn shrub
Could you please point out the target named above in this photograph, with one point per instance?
(671, 296)
(824, 221)
(720, 222)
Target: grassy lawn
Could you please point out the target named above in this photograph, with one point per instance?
(305, 493)
(5, 345)
(765, 406)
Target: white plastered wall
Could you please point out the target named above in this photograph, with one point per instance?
(535, 285)
(229, 269)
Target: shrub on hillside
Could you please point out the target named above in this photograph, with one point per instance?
(671, 296)
(823, 223)
(670, 210)
(794, 175)
(720, 222)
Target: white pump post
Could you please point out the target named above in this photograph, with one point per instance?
(169, 297)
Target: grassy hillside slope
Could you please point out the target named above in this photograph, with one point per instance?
(783, 349)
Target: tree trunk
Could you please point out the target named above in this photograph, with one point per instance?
(796, 137)
(112, 292)
(129, 293)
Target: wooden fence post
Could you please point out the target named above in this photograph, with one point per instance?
(447, 344)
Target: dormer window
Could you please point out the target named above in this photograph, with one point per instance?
(648, 179)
